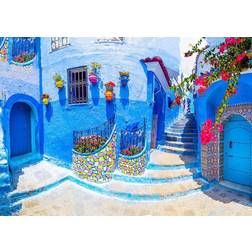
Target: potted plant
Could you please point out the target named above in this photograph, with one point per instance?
(109, 94)
(93, 78)
(45, 99)
(93, 75)
(124, 78)
(58, 80)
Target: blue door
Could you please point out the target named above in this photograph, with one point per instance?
(20, 129)
(237, 151)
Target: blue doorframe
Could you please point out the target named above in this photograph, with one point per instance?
(36, 122)
(158, 124)
(238, 151)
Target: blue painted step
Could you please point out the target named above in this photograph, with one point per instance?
(179, 144)
(180, 138)
(180, 151)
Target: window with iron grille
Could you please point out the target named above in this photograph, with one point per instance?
(59, 42)
(77, 85)
(110, 40)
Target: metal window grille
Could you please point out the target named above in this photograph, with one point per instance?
(23, 45)
(77, 85)
(59, 42)
(116, 40)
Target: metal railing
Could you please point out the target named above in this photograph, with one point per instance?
(104, 130)
(133, 135)
(23, 46)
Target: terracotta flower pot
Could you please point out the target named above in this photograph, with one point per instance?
(93, 78)
(59, 83)
(109, 95)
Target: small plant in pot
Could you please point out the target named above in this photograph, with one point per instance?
(45, 99)
(132, 150)
(93, 75)
(109, 94)
(124, 78)
(58, 80)
(88, 144)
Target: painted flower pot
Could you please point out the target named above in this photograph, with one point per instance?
(99, 165)
(59, 83)
(45, 101)
(133, 165)
(93, 78)
(124, 80)
(109, 95)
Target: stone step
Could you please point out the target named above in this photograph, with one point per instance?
(159, 176)
(136, 191)
(183, 139)
(162, 158)
(178, 144)
(181, 151)
(181, 130)
(171, 133)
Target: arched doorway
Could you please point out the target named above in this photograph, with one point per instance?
(20, 129)
(238, 151)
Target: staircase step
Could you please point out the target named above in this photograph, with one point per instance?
(159, 176)
(162, 158)
(136, 191)
(184, 139)
(178, 144)
(182, 134)
(176, 150)
(181, 130)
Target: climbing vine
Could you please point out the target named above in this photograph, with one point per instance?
(225, 61)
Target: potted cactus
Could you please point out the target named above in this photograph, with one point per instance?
(124, 78)
(109, 94)
(58, 80)
(45, 99)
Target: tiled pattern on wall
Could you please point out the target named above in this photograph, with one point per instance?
(97, 167)
(212, 159)
(133, 166)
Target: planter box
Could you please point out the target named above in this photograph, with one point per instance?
(97, 166)
(133, 165)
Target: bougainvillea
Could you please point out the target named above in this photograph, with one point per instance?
(226, 61)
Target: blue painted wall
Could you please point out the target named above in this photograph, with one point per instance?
(132, 104)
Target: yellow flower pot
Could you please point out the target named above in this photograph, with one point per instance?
(59, 84)
(45, 101)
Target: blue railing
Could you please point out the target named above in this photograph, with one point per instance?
(104, 130)
(133, 135)
(2, 40)
(23, 49)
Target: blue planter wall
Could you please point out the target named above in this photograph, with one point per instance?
(132, 103)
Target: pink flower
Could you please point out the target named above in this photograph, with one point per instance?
(202, 89)
(222, 48)
(225, 75)
(240, 57)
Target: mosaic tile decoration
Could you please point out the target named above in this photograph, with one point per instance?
(4, 51)
(132, 166)
(212, 157)
(99, 166)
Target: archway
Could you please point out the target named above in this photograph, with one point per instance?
(23, 129)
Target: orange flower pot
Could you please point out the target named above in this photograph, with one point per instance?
(109, 95)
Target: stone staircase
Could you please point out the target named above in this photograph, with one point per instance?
(181, 137)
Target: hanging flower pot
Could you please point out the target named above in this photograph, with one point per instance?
(124, 78)
(93, 78)
(59, 83)
(45, 99)
(109, 95)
